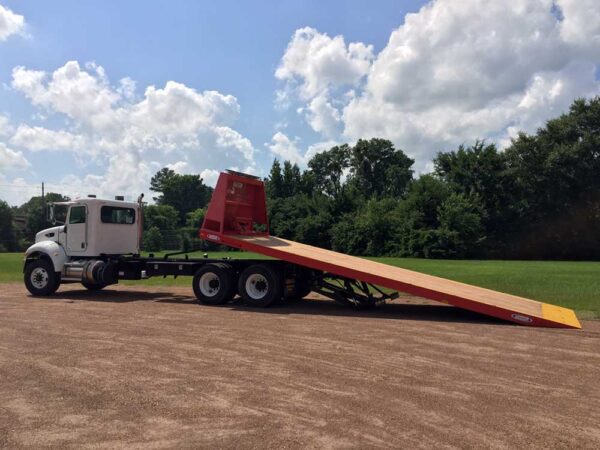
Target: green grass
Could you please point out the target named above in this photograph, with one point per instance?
(574, 285)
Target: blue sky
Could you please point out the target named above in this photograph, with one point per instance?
(453, 73)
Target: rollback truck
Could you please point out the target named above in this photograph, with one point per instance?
(99, 244)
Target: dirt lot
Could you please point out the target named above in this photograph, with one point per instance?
(140, 368)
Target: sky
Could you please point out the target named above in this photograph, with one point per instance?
(96, 97)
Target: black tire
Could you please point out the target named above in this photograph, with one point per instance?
(40, 277)
(260, 285)
(214, 284)
(93, 286)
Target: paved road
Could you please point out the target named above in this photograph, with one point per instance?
(139, 368)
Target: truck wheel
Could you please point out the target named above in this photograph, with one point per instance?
(93, 286)
(40, 277)
(214, 284)
(260, 285)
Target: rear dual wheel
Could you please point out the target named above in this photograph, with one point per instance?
(214, 284)
(260, 285)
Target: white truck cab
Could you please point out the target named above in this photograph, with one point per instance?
(94, 229)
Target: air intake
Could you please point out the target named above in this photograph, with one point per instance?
(91, 196)
(119, 197)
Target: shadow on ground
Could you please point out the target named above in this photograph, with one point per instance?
(308, 306)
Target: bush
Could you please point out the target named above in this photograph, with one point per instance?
(186, 243)
(153, 240)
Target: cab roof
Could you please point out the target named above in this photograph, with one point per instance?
(97, 201)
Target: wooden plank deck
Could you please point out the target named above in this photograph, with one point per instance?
(485, 301)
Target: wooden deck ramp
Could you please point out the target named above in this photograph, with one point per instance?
(237, 217)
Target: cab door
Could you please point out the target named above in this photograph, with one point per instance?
(77, 229)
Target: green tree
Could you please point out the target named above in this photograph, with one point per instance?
(195, 218)
(378, 170)
(7, 232)
(369, 231)
(153, 240)
(160, 180)
(292, 179)
(480, 173)
(301, 218)
(418, 217)
(460, 230)
(556, 186)
(348, 235)
(185, 193)
(274, 183)
(327, 169)
(36, 215)
(163, 217)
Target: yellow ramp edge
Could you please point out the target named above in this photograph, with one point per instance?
(560, 315)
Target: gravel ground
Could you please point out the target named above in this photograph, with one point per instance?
(147, 367)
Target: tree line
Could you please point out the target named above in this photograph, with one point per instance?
(537, 199)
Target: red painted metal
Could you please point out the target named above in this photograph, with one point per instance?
(237, 215)
(238, 205)
(419, 291)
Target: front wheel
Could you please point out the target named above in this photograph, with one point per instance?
(40, 277)
(260, 285)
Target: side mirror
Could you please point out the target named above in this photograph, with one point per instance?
(65, 229)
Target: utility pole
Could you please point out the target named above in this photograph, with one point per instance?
(44, 212)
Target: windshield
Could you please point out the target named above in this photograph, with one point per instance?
(57, 213)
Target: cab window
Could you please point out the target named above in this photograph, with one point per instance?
(77, 214)
(117, 214)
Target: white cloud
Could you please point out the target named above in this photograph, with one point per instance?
(581, 23)
(322, 116)
(458, 71)
(11, 159)
(210, 176)
(318, 148)
(39, 138)
(453, 72)
(178, 167)
(5, 126)
(113, 128)
(285, 148)
(228, 138)
(127, 88)
(318, 61)
(126, 174)
(10, 23)
(83, 96)
(17, 191)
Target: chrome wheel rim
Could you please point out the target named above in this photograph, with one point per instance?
(39, 277)
(257, 286)
(209, 284)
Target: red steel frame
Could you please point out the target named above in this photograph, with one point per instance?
(237, 211)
